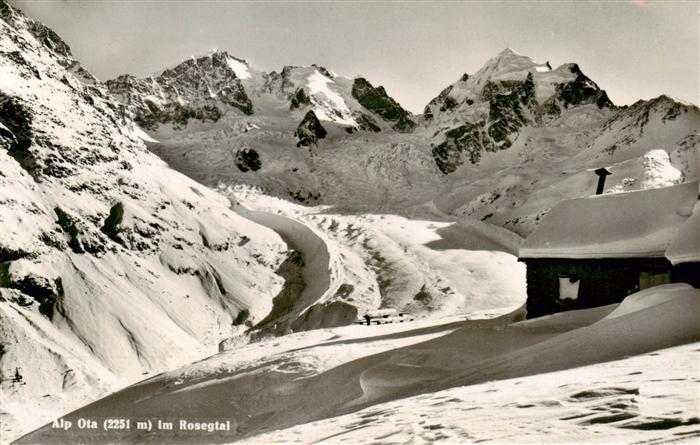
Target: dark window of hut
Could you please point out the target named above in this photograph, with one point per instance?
(651, 278)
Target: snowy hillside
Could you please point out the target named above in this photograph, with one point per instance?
(502, 145)
(450, 382)
(112, 265)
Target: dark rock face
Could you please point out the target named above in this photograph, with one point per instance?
(16, 138)
(80, 238)
(673, 112)
(491, 89)
(377, 101)
(294, 284)
(367, 123)
(299, 99)
(582, 90)
(47, 293)
(195, 89)
(550, 107)
(285, 77)
(50, 39)
(176, 114)
(323, 71)
(247, 159)
(512, 105)
(209, 74)
(506, 110)
(16, 56)
(505, 116)
(309, 130)
(443, 101)
(468, 138)
(111, 225)
(69, 225)
(304, 196)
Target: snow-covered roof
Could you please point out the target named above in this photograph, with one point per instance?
(622, 225)
(685, 247)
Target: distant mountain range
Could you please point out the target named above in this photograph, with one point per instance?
(502, 144)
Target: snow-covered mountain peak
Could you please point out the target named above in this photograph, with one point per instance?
(509, 65)
(213, 58)
(507, 59)
(240, 67)
(513, 113)
(353, 104)
(215, 63)
(202, 88)
(509, 50)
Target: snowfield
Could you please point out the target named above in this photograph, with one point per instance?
(651, 398)
(612, 374)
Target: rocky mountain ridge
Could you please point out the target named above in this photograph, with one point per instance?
(535, 124)
(509, 92)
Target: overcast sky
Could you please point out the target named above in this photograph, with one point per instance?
(633, 49)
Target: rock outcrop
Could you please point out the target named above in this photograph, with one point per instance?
(309, 131)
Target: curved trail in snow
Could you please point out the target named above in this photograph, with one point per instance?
(314, 251)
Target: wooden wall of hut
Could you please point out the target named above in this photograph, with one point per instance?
(601, 281)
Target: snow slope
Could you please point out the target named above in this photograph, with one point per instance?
(112, 265)
(649, 398)
(417, 378)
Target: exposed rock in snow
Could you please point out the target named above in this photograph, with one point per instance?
(247, 159)
(377, 101)
(491, 106)
(309, 130)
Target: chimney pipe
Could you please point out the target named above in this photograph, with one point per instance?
(602, 173)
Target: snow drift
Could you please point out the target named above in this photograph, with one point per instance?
(282, 390)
